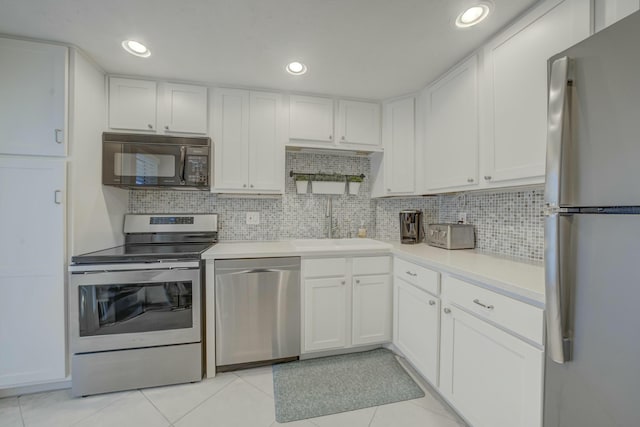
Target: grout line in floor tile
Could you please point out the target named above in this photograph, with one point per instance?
(259, 389)
(156, 408)
(201, 403)
(20, 409)
(373, 416)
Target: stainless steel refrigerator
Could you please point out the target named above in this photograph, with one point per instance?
(592, 232)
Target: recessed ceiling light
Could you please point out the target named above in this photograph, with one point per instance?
(296, 68)
(136, 48)
(473, 15)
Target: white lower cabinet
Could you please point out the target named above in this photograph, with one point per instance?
(343, 306)
(325, 307)
(417, 327)
(492, 378)
(371, 309)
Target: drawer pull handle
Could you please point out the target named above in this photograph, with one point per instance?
(488, 307)
(432, 302)
(412, 274)
(447, 310)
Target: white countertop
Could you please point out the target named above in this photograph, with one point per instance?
(519, 279)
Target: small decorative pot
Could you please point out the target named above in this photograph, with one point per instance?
(301, 187)
(354, 188)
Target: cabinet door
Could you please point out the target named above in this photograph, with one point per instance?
(311, 118)
(33, 98)
(32, 307)
(608, 12)
(452, 132)
(185, 108)
(266, 148)
(417, 328)
(371, 317)
(516, 75)
(399, 146)
(492, 378)
(359, 123)
(231, 139)
(325, 313)
(132, 104)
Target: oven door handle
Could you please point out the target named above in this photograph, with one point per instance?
(183, 160)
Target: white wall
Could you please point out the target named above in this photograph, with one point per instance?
(96, 212)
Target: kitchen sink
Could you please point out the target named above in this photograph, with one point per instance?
(338, 244)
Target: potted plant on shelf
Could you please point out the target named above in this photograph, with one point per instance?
(302, 183)
(354, 184)
(327, 184)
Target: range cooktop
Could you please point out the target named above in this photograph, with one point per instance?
(144, 253)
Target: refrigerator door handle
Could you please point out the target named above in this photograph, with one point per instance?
(558, 115)
(558, 342)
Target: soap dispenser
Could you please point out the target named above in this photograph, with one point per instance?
(362, 231)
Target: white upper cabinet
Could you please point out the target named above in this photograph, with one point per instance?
(398, 135)
(516, 96)
(248, 142)
(185, 108)
(608, 12)
(311, 118)
(134, 105)
(33, 98)
(359, 123)
(452, 134)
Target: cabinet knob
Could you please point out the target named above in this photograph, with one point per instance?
(343, 282)
(432, 302)
(388, 190)
(357, 280)
(251, 186)
(447, 310)
(330, 136)
(487, 177)
(166, 127)
(342, 138)
(150, 126)
(469, 179)
(244, 185)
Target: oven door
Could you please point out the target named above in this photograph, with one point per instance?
(144, 306)
(143, 165)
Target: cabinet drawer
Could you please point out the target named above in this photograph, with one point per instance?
(521, 318)
(417, 275)
(372, 265)
(324, 267)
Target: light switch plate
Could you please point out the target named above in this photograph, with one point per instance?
(253, 218)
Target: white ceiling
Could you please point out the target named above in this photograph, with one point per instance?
(358, 48)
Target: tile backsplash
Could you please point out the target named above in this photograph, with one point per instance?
(508, 222)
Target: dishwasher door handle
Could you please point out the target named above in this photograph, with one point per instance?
(252, 271)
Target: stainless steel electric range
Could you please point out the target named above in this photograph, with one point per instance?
(136, 311)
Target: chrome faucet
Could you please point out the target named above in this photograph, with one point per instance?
(329, 215)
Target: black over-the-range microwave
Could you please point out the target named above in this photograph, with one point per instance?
(155, 161)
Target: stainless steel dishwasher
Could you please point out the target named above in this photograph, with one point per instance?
(257, 311)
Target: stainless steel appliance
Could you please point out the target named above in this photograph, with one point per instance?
(592, 232)
(135, 311)
(411, 227)
(155, 161)
(451, 236)
(257, 311)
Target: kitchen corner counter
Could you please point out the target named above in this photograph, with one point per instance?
(519, 279)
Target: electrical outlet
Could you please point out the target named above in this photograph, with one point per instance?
(462, 217)
(253, 218)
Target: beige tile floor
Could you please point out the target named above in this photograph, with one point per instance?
(241, 398)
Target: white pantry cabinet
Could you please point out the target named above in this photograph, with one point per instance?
(33, 98)
(452, 133)
(248, 142)
(347, 302)
(32, 259)
(515, 106)
(134, 105)
(359, 123)
(399, 142)
(417, 327)
(487, 372)
(311, 118)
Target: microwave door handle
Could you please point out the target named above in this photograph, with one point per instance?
(183, 159)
